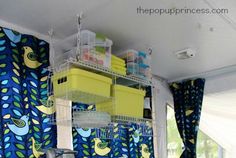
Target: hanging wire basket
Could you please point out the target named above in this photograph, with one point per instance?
(90, 119)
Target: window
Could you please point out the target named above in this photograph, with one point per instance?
(206, 147)
(174, 142)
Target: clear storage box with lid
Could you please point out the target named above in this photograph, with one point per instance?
(63, 56)
(130, 55)
(131, 58)
(138, 63)
(87, 42)
(87, 54)
(143, 68)
(88, 38)
(132, 68)
(103, 50)
(95, 48)
(144, 58)
(144, 61)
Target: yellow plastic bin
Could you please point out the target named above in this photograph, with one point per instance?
(117, 59)
(119, 71)
(127, 102)
(81, 85)
(118, 63)
(120, 68)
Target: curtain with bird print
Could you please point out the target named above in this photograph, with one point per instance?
(126, 142)
(188, 97)
(24, 128)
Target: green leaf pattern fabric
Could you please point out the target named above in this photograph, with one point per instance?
(21, 89)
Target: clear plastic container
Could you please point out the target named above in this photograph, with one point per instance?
(88, 54)
(95, 48)
(100, 58)
(129, 55)
(148, 73)
(144, 58)
(88, 38)
(142, 70)
(103, 52)
(145, 71)
(87, 44)
(71, 54)
(138, 63)
(100, 38)
(132, 68)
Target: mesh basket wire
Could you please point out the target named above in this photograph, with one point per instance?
(90, 119)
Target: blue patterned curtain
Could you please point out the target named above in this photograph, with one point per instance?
(24, 128)
(188, 98)
(127, 142)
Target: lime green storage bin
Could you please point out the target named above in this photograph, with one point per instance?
(126, 102)
(80, 85)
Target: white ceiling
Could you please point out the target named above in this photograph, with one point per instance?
(120, 22)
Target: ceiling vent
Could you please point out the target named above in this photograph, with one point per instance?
(185, 54)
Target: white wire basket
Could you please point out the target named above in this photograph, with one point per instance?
(144, 125)
(90, 119)
(67, 115)
(105, 132)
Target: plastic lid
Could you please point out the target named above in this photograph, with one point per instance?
(77, 71)
(124, 54)
(88, 32)
(131, 50)
(129, 89)
(90, 74)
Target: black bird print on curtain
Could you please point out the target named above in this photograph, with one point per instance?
(24, 128)
(188, 97)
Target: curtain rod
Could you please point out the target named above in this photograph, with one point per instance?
(206, 74)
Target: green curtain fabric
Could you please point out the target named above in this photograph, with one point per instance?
(24, 127)
(188, 96)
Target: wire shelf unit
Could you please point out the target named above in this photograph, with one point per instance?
(126, 119)
(119, 78)
(84, 97)
(104, 124)
(127, 80)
